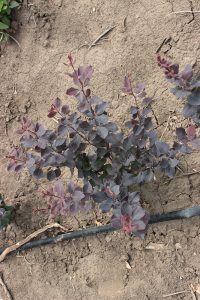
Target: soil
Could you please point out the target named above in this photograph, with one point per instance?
(112, 266)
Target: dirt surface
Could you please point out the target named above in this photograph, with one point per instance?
(112, 266)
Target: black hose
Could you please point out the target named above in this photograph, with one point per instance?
(175, 215)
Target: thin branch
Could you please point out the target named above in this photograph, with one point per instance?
(185, 12)
(6, 291)
(28, 238)
(169, 118)
(16, 41)
(188, 174)
(176, 293)
(101, 36)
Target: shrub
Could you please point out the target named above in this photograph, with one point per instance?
(6, 7)
(110, 162)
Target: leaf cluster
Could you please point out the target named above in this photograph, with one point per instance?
(6, 7)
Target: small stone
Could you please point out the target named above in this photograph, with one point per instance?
(22, 110)
(128, 266)
(27, 105)
(46, 43)
(7, 104)
(108, 239)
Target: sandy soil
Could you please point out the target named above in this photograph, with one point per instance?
(31, 77)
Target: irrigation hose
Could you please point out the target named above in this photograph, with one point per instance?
(175, 215)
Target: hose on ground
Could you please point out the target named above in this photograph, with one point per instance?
(175, 215)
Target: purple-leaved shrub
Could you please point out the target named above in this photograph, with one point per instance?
(110, 162)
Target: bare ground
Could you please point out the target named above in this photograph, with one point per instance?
(32, 76)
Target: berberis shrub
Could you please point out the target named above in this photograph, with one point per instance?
(109, 161)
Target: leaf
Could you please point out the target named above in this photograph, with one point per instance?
(97, 164)
(114, 139)
(191, 132)
(99, 197)
(62, 129)
(102, 119)
(3, 26)
(87, 188)
(106, 205)
(146, 101)
(65, 109)
(72, 92)
(100, 108)
(189, 110)
(116, 189)
(139, 90)
(127, 88)
(128, 179)
(161, 147)
(102, 132)
(179, 92)
(148, 123)
(69, 158)
(38, 173)
(51, 175)
(77, 196)
(57, 103)
(13, 4)
(194, 98)
(181, 134)
(187, 73)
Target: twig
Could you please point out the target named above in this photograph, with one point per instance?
(169, 118)
(100, 37)
(176, 293)
(185, 12)
(8, 295)
(188, 174)
(16, 41)
(28, 238)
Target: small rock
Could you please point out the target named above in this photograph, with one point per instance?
(46, 43)
(128, 266)
(7, 104)
(108, 239)
(22, 110)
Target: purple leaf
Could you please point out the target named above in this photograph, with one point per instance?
(65, 109)
(161, 147)
(194, 98)
(187, 73)
(146, 101)
(191, 132)
(181, 134)
(57, 103)
(100, 108)
(139, 90)
(127, 88)
(72, 92)
(77, 196)
(102, 132)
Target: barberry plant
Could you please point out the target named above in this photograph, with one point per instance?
(111, 162)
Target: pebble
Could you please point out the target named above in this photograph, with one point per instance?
(7, 104)
(108, 239)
